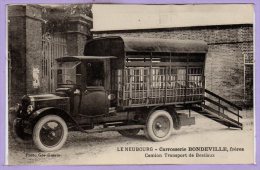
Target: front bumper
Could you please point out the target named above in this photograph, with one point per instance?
(23, 125)
(22, 121)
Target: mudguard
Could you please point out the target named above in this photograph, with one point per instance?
(171, 110)
(36, 115)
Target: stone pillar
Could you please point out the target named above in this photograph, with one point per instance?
(17, 51)
(33, 49)
(77, 33)
(25, 38)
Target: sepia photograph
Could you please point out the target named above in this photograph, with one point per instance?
(130, 84)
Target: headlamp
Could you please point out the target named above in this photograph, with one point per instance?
(111, 97)
(30, 108)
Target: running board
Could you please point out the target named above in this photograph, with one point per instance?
(117, 128)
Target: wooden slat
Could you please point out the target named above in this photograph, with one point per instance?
(234, 113)
(159, 77)
(221, 121)
(158, 64)
(220, 114)
(228, 102)
(215, 103)
(158, 104)
(229, 122)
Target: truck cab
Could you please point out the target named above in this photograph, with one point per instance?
(86, 79)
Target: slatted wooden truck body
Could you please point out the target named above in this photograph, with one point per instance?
(125, 85)
(158, 72)
(154, 72)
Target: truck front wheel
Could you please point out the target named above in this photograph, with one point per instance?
(50, 133)
(159, 125)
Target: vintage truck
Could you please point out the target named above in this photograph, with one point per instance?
(124, 84)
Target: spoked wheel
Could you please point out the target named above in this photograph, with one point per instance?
(50, 133)
(18, 133)
(159, 126)
(129, 132)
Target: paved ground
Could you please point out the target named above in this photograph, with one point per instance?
(104, 148)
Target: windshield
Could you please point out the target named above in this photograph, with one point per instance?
(69, 72)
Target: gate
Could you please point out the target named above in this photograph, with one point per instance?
(53, 46)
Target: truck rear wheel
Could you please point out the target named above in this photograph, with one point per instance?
(159, 125)
(129, 132)
(50, 133)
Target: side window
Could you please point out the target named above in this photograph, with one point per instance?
(59, 76)
(95, 73)
(78, 74)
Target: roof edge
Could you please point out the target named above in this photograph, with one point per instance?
(169, 28)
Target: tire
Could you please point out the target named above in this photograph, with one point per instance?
(18, 133)
(146, 134)
(50, 133)
(129, 132)
(159, 125)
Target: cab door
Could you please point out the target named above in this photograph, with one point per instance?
(95, 96)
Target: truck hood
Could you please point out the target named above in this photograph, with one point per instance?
(42, 97)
